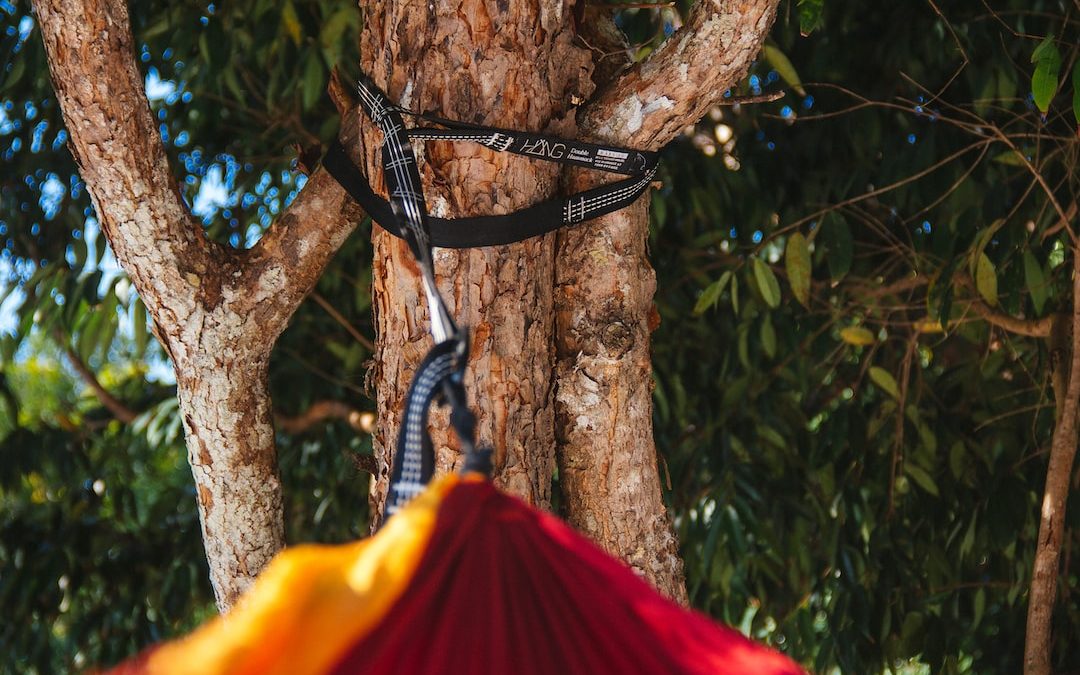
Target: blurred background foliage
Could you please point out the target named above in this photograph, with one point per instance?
(853, 438)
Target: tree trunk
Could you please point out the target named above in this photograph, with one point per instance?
(217, 311)
(1044, 577)
(605, 286)
(445, 57)
(504, 64)
(607, 456)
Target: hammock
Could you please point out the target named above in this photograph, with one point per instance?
(464, 578)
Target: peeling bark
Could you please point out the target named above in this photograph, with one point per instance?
(216, 312)
(604, 290)
(1044, 576)
(505, 64)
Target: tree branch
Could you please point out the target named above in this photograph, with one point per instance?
(337, 316)
(111, 403)
(321, 411)
(115, 143)
(677, 84)
(1044, 577)
(309, 232)
(1029, 327)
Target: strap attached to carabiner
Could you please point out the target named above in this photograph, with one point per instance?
(440, 376)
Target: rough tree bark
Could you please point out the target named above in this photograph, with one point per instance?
(604, 291)
(1044, 577)
(217, 311)
(505, 64)
(520, 67)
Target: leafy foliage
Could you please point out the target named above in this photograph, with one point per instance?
(858, 473)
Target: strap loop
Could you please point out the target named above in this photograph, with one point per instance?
(405, 215)
(472, 232)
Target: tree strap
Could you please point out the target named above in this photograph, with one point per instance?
(477, 231)
(440, 375)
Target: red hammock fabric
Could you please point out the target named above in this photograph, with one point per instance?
(464, 580)
(505, 588)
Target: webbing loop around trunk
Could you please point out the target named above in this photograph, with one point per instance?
(471, 232)
(440, 375)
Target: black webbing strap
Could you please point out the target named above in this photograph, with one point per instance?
(405, 215)
(442, 370)
(471, 232)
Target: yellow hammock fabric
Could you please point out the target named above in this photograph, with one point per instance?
(322, 598)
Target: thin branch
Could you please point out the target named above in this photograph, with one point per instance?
(111, 403)
(747, 100)
(1070, 215)
(302, 241)
(959, 45)
(890, 187)
(320, 412)
(1030, 327)
(337, 316)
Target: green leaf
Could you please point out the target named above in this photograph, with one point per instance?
(768, 337)
(160, 27)
(291, 21)
(334, 28)
(968, 542)
(88, 334)
(810, 15)
(1035, 281)
(711, 294)
(142, 334)
(797, 262)
(922, 478)
(980, 607)
(1009, 158)
(14, 75)
(783, 67)
(1076, 92)
(885, 381)
(233, 84)
(735, 295)
(986, 280)
(766, 283)
(313, 80)
(1045, 50)
(857, 336)
(839, 245)
(1044, 81)
(958, 459)
(743, 348)
(981, 240)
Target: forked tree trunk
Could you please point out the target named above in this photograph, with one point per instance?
(521, 66)
(217, 312)
(605, 287)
